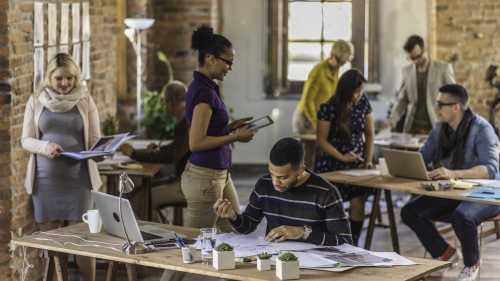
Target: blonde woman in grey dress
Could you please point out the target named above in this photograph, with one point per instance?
(61, 116)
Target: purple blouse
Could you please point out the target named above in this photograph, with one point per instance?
(203, 90)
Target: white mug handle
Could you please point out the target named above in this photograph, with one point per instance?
(85, 218)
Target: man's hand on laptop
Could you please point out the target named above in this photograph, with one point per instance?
(441, 174)
(285, 232)
(224, 209)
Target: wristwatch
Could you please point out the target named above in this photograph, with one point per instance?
(307, 232)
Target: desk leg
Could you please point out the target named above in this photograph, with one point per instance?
(373, 218)
(392, 221)
(48, 270)
(148, 200)
(58, 268)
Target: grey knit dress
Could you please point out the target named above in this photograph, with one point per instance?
(62, 185)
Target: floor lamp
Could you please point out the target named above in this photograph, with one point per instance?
(135, 26)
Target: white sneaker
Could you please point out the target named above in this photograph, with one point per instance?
(469, 273)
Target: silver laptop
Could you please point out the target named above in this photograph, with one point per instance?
(405, 164)
(145, 233)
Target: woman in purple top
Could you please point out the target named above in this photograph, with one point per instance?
(206, 177)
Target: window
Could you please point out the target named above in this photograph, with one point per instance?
(302, 34)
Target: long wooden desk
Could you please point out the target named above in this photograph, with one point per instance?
(389, 184)
(171, 259)
(147, 172)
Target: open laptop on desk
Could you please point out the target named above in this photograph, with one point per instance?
(405, 164)
(108, 209)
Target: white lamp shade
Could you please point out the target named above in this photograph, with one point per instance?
(139, 23)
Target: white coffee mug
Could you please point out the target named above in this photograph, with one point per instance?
(93, 219)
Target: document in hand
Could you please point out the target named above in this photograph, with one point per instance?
(106, 145)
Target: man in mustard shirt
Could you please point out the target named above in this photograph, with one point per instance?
(319, 87)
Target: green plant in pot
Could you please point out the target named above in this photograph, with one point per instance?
(110, 125)
(223, 257)
(264, 261)
(159, 124)
(287, 266)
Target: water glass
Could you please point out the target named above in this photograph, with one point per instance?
(207, 244)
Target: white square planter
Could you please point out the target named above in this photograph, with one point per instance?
(223, 260)
(263, 265)
(287, 270)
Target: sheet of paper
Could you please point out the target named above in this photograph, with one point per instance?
(52, 25)
(396, 259)
(38, 67)
(75, 16)
(64, 35)
(360, 172)
(310, 260)
(489, 183)
(38, 29)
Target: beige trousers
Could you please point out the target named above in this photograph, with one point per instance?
(301, 125)
(202, 187)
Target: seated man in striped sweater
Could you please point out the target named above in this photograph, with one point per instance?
(298, 204)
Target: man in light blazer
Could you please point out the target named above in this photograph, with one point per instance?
(419, 89)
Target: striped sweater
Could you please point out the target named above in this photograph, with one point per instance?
(315, 203)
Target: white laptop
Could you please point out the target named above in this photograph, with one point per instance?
(108, 209)
(405, 164)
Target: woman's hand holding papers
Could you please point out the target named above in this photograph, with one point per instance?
(53, 150)
(224, 209)
(285, 232)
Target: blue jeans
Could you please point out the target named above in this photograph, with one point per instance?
(421, 211)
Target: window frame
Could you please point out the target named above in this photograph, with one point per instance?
(276, 83)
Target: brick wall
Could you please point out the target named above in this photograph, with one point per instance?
(171, 33)
(466, 33)
(5, 152)
(16, 66)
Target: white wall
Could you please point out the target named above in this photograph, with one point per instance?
(245, 24)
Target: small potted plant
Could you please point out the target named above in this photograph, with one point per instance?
(287, 266)
(223, 257)
(264, 261)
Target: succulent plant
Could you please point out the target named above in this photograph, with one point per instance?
(264, 256)
(224, 247)
(287, 257)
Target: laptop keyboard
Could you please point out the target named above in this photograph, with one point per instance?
(149, 236)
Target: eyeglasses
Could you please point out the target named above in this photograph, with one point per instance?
(441, 104)
(226, 61)
(415, 58)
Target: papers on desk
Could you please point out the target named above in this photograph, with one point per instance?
(360, 172)
(485, 192)
(331, 258)
(482, 182)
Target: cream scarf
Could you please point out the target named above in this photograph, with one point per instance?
(60, 103)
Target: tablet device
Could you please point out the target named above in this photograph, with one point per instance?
(260, 123)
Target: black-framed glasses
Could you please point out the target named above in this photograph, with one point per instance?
(226, 61)
(440, 104)
(417, 57)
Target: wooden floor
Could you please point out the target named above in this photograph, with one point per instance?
(410, 246)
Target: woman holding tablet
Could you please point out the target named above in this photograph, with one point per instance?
(206, 176)
(345, 136)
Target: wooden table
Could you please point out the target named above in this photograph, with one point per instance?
(172, 260)
(147, 172)
(389, 184)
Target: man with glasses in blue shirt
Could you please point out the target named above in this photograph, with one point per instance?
(462, 146)
(417, 94)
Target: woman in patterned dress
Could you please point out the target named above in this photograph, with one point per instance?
(345, 137)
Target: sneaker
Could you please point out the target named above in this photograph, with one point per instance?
(469, 273)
